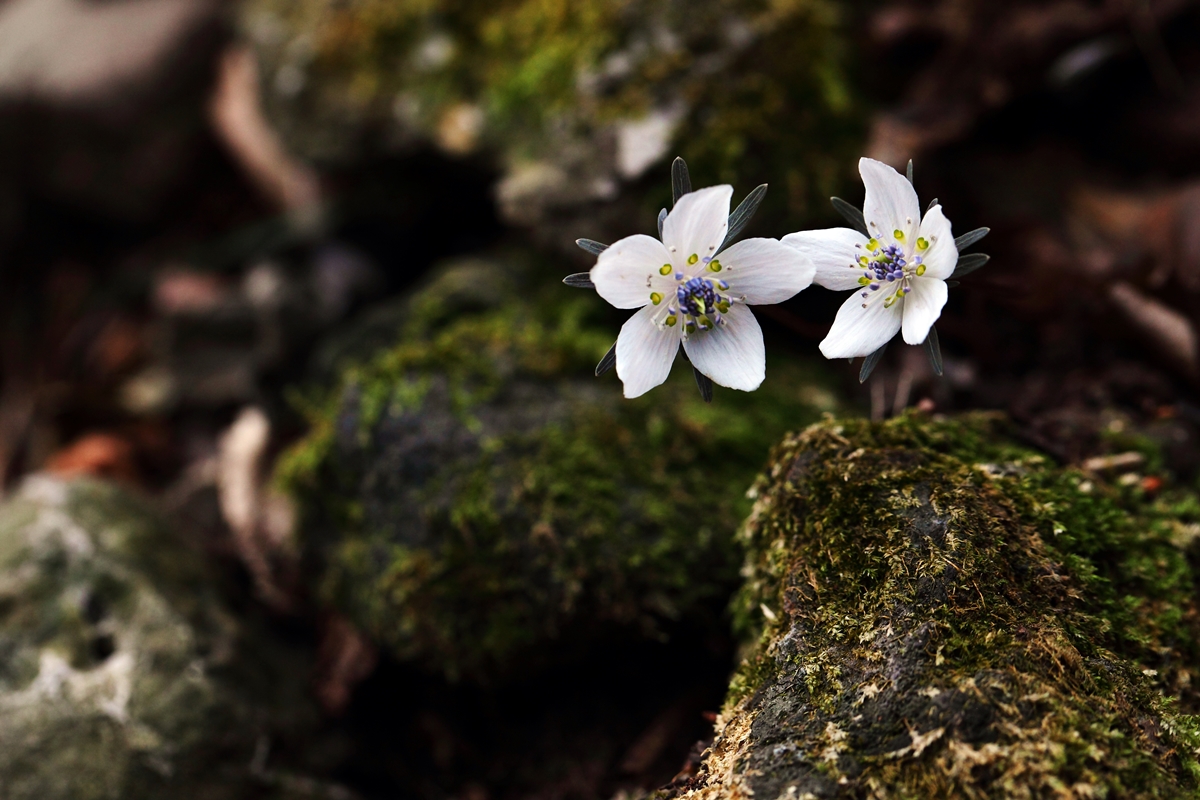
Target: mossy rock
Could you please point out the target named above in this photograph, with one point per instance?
(570, 99)
(479, 502)
(115, 658)
(933, 611)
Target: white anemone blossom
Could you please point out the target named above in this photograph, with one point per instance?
(691, 292)
(898, 272)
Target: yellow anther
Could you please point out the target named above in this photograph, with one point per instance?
(898, 235)
(671, 320)
(922, 244)
(723, 307)
(863, 260)
(693, 258)
(864, 280)
(873, 244)
(920, 269)
(690, 327)
(714, 266)
(655, 298)
(665, 269)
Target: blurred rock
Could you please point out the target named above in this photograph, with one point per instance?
(102, 103)
(81, 52)
(216, 338)
(577, 103)
(478, 502)
(122, 674)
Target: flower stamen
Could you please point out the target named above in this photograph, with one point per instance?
(699, 301)
(893, 265)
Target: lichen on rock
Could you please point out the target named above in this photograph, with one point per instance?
(934, 611)
(475, 499)
(115, 657)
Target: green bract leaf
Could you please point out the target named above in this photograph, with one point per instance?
(969, 263)
(580, 280)
(851, 214)
(591, 246)
(681, 182)
(970, 238)
(608, 362)
(742, 214)
(869, 364)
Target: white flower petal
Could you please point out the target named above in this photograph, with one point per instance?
(765, 271)
(621, 271)
(733, 354)
(891, 202)
(645, 353)
(942, 255)
(922, 307)
(859, 331)
(833, 253)
(698, 223)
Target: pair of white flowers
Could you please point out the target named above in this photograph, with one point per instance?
(694, 288)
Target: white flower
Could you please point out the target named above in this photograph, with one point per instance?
(688, 295)
(899, 272)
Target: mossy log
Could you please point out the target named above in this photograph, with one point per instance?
(936, 612)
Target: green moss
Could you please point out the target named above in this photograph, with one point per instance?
(936, 610)
(761, 83)
(477, 500)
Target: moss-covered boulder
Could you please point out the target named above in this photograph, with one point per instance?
(116, 660)
(572, 100)
(940, 613)
(478, 501)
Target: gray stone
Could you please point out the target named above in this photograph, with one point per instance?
(116, 657)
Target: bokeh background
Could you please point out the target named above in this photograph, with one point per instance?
(285, 277)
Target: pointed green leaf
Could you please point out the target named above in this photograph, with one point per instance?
(969, 263)
(970, 238)
(591, 246)
(608, 362)
(742, 214)
(580, 280)
(869, 364)
(681, 182)
(851, 214)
